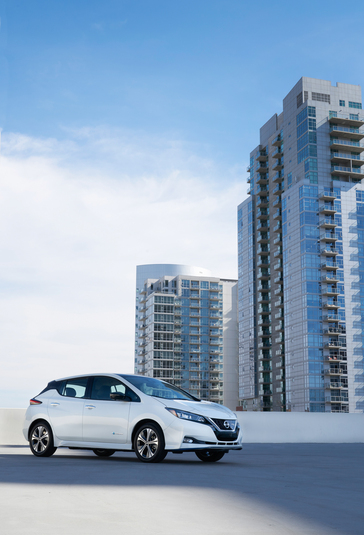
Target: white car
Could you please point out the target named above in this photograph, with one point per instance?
(113, 412)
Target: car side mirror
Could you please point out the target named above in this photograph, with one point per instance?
(118, 396)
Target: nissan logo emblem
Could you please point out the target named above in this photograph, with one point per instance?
(227, 424)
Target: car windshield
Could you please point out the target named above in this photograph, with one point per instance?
(158, 389)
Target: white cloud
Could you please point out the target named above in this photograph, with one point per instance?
(76, 217)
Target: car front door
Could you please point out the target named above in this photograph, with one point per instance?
(105, 420)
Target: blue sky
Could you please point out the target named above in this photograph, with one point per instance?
(126, 132)
(208, 72)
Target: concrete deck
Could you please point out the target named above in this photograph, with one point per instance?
(264, 489)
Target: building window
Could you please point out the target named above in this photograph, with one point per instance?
(299, 100)
(355, 105)
(321, 97)
(342, 103)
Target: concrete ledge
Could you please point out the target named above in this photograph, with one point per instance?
(11, 427)
(301, 427)
(258, 427)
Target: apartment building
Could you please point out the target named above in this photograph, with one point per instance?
(301, 256)
(187, 331)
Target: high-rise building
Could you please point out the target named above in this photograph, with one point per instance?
(301, 256)
(187, 330)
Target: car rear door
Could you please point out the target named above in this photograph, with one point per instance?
(65, 409)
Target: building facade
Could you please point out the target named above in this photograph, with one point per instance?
(187, 331)
(301, 256)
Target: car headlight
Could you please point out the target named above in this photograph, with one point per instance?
(188, 416)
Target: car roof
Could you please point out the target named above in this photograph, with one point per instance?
(98, 375)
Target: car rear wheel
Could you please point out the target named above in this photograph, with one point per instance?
(210, 456)
(104, 453)
(149, 444)
(41, 440)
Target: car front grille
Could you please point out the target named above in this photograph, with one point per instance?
(220, 424)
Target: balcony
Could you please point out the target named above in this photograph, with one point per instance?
(335, 370)
(263, 202)
(336, 399)
(264, 354)
(334, 385)
(277, 201)
(263, 262)
(263, 286)
(278, 304)
(262, 156)
(327, 222)
(278, 291)
(353, 146)
(277, 214)
(264, 320)
(346, 132)
(277, 141)
(278, 253)
(329, 265)
(262, 167)
(263, 249)
(262, 213)
(279, 165)
(265, 368)
(329, 278)
(264, 298)
(267, 344)
(337, 157)
(277, 190)
(278, 266)
(330, 290)
(262, 179)
(335, 330)
(334, 344)
(263, 225)
(328, 209)
(345, 119)
(278, 240)
(262, 190)
(277, 227)
(329, 251)
(279, 279)
(330, 318)
(280, 352)
(279, 327)
(263, 237)
(352, 172)
(278, 177)
(278, 153)
(330, 303)
(266, 332)
(328, 236)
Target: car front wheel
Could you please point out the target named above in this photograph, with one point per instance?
(41, 440)
(104, 453)
(210, 456)
(149, 444)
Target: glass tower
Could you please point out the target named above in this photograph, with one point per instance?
(301, 256)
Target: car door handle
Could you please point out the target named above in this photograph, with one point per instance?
(90, 406)
(54, 404)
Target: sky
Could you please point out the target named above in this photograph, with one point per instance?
(126, 133)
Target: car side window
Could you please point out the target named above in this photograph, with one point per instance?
(74, 388)
(102, 387)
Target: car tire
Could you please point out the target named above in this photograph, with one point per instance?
(149, 443)
(210, 456)
(104, 453)
(41, 440)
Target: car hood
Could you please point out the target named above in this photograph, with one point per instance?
(205, 408)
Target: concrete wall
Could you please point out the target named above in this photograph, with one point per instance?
(258, 427)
